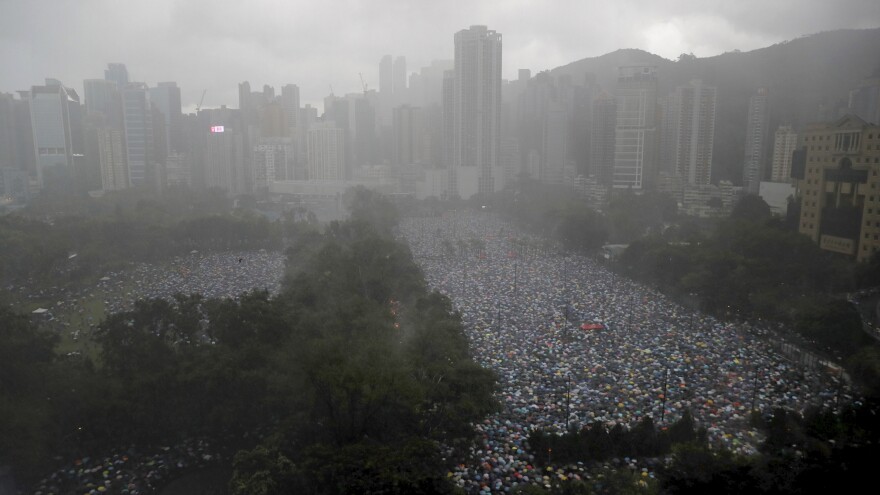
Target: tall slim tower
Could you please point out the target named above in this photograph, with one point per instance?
(602, 130)
(137, 119)
(695, 133)
(166, 97)
(398, 81)
(635, 134)
(756, 141)
(477, 113)
(784, 144)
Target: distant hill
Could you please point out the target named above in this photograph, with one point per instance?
(802, 76)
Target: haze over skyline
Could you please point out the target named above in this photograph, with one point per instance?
(214, 45)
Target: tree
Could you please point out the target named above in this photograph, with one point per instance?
(752, 208)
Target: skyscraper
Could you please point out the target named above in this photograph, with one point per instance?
(290, 104)
(635, 133)
(57, 129)
(602, 130)
(117, 73)
(554, 144)
(386, 90)
(784, 144)
(695, 132)
(756, 141)
(166, 97)
(398, 81)
(477, 113)
(137, 117)
(326, 149)
(99, 95)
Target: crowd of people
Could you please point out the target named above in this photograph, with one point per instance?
(574, 344)
(131, 472)
(213, 275)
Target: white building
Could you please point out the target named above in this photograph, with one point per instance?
(695, 131)
(784, 144)
(756, 141)
(477, 113)
(634, 136)
(326, 152)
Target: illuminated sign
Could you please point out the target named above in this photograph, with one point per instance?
(217, 128)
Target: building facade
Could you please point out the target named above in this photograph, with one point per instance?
(695, 132)
(756, 141)
(477, 113)
(635, 139)
(784, 144)
(840, 188)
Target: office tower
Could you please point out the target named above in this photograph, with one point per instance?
(274, 159)
(695, 132)
(386, 90)
(118, 74)
(290, 104)
(409, 136)
(8, 139)
(554, 138)
(273, 121)
(477, 111)
(166, 97)
(111, 159)
(839, 183)
(57, 131)
(137, 118)
(784, 144)
(100, 96)
(635, 133)
(602, 130)
(225, 164)
(326, 151)
(364, 150)
(398, 81)
(756, 141)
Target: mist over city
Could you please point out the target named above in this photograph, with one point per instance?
(396, 247)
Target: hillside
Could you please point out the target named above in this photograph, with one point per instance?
(803, 76)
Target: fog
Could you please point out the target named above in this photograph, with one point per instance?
(214, 44)
(456, 248)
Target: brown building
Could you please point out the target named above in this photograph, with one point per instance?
(840, 187)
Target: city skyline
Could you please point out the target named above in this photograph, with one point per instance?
(212, 46)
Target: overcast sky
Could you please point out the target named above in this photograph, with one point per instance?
(215, 44)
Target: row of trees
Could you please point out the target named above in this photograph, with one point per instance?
(351, 377)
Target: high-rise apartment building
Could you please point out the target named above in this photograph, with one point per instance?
(635, 133)
(784, 144)
(554, 144)
(840, 187)
(694, 132)
(326, 151)
(409, 136)
(756, 141)
(273, 160)
(602, 139)
(477, 113)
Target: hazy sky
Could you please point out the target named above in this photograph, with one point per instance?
(214, 44)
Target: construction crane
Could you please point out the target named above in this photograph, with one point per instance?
(363, 83)
(199, 106)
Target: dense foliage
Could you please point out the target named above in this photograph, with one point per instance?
(355, 368)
